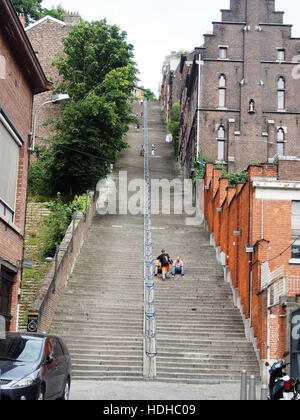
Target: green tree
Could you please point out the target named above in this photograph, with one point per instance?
(149, 95)
(57, 12)
(33, 10)
(99, 74)
(174, 125)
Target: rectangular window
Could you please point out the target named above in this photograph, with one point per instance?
(222, 98)
(296, 229)
(281, 55)
(281, 99)
(223, 53)
(221, 151)
(6, 283)
(280, 149)
(9, 163)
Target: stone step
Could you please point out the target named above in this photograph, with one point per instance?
(106, 355)
(200, 334)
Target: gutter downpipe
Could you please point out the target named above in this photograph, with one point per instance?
(198, 107)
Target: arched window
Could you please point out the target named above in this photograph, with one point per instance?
(222, 91)
(221, 132)
(221, 143)
(281, 85)
(280, 134)
(251, 106)
(280, 141)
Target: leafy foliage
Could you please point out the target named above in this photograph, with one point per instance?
(234, 178)
(98, 73)
(149, 95)
(199, 167)
(58, 221)
(33, 10)
(174, 125)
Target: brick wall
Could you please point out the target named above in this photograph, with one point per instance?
(46, 38)
(46, 302)
(236, 218)
(289, 168)
(16, 104)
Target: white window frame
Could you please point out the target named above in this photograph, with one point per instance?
(6, 210)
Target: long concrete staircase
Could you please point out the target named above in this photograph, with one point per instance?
(200, 334)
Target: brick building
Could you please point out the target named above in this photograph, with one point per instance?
(249, 106)
(166, 87)
(21, 77)
(46, 36)
(255, 228)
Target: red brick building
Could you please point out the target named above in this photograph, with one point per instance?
(46, 37)
(249, 106)
(21, 77)
(255, 228)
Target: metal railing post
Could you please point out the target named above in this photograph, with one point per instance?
(73, 232)
(55, 270)
(252, 388)
(264, 392)
(244, 386)
(150, 351)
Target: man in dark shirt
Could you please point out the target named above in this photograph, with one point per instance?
(165, 262)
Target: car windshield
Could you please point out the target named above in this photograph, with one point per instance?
(21, 349)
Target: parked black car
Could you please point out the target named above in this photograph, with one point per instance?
(34, 367)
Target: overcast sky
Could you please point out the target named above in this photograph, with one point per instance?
(157, 27)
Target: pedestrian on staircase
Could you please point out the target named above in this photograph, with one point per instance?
(165, 262)
(153, 149)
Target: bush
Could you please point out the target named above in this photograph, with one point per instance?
(59, 220)
(174, 125)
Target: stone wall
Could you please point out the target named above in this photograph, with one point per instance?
(51, 289)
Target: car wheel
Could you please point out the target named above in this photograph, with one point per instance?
(66, 393)
(41, 394)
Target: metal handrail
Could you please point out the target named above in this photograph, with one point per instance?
(150, 351)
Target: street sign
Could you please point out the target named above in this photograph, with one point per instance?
(32, 322)
(295, 344)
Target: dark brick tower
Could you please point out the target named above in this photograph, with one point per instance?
(250, 101)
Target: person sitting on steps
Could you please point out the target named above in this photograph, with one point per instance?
(178, 267)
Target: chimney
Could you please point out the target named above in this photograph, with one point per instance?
(72, 18)
(22, 19)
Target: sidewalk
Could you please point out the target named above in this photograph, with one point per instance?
(149, 391)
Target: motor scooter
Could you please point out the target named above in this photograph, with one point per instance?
(281, 385)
